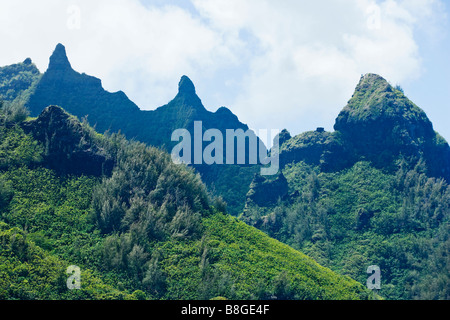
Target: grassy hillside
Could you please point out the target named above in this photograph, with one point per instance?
(145, 230)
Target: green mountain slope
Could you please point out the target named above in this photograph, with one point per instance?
(83, 96)
(147, 228)
(18, 81)
(373, 192)
(381, 124)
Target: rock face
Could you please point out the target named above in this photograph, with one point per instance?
(379, 124)
(265, 193)
(84, 96)
(68, 148)
(314, 148)
(80, 94)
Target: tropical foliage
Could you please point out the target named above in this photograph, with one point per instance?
(147, 230)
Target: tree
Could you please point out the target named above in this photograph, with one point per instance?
(6, 193)
(282, 287)
(12, 112)
(155, 277)
(136, 260)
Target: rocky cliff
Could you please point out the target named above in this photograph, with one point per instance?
(69, 149)
(266, 192)
(379, 124)
(83, 96)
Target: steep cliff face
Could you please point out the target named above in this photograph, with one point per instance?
(83, 96)
(68, 147)
(318, 148)
(382, 125)
(266, 192)
(80, 94)
(379, 124)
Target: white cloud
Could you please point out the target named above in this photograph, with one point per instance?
(142, 50)
(314, 52)
(276, 64)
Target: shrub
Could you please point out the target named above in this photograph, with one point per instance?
(13, 112)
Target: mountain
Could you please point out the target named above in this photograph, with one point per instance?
(136, 225)
(18, 80)
(380, 125)
(83, 96)
(373, 192)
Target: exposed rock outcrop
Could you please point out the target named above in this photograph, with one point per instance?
(68, 147)
(379, 124)
(266, 192)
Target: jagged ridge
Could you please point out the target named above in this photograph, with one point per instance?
(83, 96)
(168, 241)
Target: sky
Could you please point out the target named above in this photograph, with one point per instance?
(288, 64)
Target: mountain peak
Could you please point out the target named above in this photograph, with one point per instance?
(27, 61)
(187, 97)
(380, 123)
(373, 81)
(375, 99)
(370, 92)
(372, 77)
(186, 86)
(58, 59)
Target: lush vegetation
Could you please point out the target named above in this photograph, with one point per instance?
(18, 81)
(361, 217)
(147, 230)
(12, 112)
(373, 192)
(83, 96)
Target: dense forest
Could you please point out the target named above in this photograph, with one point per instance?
(91, 184)
(362, 216)
(373, 192)
(137, 225)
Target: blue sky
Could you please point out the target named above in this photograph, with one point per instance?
(276, 64)
(431, 91)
